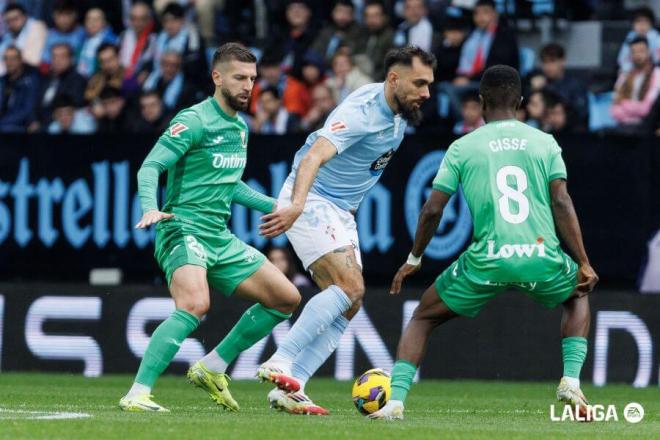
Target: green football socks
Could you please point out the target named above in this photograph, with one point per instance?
(403, 374)
(256, 323)
(164, 344)
(574, 352)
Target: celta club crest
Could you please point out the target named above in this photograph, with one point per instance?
(456, 225)
(243, 139)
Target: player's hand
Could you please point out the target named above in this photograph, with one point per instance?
(402, 273)
(587, 279)
(152, 217)
(279, 221)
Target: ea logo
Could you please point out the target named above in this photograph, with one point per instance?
(456, 225)
(633, 412)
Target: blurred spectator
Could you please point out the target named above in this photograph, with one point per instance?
(152, 117)
(61, 78)
(346, 78)
(24, 33)
(556, 120)
(313, 70)
(536, 108)
(271, 117)
(295, 96)
(97, 33)
(19, 92)
(171, 83)
(448, 51)
(636, 91)
(111, 73)
(323, 103)
(297, 39)
(490, 43)
(207, 12)
(416, 29)
(379, 39)
(343, 31)
(67, 30)
(471, 114)
(181, 37)
(553, 76)
(69, 120)
(643, 22)
(138, 42)
(112, 118)
(282, 258)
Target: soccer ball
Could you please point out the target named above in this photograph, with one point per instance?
(371, 391)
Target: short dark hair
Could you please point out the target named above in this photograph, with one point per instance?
(500, 87)
(469, 97)
(376, 3)
(233, 52)
(638, 40)
(65, 45)
(174, 9)
(405, 55)
(63, 100)
(489, 3)
(13, 47)
(65, 6)
(15, 7)
(147, 93)
(643, 12)
(347, 3)
(109, 92)
(552, 51)
(106, 46)
(272, 90)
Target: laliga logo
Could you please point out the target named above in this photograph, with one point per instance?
(456, 225)
(632, 413)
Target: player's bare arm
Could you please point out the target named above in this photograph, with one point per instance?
(281, 221)
(427, 224)
(152, 217)
(568, 226)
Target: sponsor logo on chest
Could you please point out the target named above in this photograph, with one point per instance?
(228, 161)
(507, 251)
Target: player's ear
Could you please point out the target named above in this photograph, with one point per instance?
(216, 76)
(520, 101)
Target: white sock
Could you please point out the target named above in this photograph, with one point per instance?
(572, 381)
(281, 362)
(302, 385)
(214, 363)
(138, 389)
(395, 403)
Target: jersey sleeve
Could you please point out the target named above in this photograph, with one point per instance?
(556, 165)
(185, 131)
(449, 175)
(345, 127)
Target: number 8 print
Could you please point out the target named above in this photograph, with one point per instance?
(515, 194)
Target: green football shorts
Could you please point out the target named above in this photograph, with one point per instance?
(227, 260)
(466, 295)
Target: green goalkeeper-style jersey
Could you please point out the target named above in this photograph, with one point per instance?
(505, 169)
(211, 148)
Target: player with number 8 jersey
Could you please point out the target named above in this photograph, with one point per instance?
(514, 180)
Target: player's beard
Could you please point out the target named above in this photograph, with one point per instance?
(412, 115)
(233, 102)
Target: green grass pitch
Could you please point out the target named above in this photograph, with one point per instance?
(436, 410)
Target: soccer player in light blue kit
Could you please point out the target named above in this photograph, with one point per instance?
(331, 174)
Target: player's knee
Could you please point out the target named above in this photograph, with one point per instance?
(195, 306)
(353, 287)
(286, 301)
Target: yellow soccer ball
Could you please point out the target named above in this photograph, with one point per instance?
(371, 391)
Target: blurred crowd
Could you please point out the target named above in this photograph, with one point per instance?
(82, 67)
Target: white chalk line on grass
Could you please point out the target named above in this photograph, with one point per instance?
(22, 414)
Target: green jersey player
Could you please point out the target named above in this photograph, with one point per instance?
(204, 151)
(514, 180)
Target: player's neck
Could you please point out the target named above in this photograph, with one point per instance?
(389, 98)
(223, 105)
(498, 115)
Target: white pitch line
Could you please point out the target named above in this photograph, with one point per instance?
(40, 415)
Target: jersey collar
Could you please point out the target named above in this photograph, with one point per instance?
(220, 111)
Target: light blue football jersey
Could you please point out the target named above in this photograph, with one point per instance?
(366, 134)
